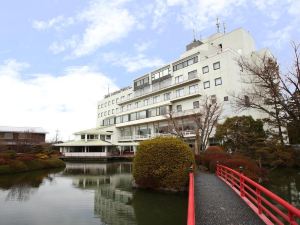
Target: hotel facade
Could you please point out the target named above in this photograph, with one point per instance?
(208, 69)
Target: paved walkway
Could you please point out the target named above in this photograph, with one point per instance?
(216, 203)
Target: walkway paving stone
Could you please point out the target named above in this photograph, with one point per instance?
(216, 203)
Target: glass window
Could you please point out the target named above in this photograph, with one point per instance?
(142, 114)
(206, 84)
(167, 96)
(82, 137)
(125, 118)
(192, 74)
(146, 101)
(101, 114)
(218, 81)
(163, 110)
(118, 119)
(193, 89)
(179, 92)
(213, 99)
(152, 112)
(132, 116)
(112, 111)
(108, 112)
(226, 98)
(179, 108)
(178, 79)
(216, 65)
(196, 105)
(156, 99)
(205, 69)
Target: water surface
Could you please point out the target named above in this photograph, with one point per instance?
(86, 194)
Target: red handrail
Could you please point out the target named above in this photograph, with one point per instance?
(257, 197)
(191, 203)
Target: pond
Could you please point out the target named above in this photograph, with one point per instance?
(84, 194)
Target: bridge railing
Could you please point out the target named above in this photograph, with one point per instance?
(269, 207)
(191, 203)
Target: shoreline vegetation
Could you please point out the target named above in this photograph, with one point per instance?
(12, 162)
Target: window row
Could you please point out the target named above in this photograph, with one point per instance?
(218, 81)
(185, 63)
(216, 66)
(161, 73)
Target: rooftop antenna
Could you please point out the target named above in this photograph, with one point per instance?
(224, 27)
(194, 35)
(218, 25)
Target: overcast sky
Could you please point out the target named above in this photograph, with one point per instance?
(57, 57)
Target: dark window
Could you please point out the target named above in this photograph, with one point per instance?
(192, 74)
(218, 81)
(205, 69)
(247, 101)
(206, 84)
(179, 108)
(82, 137)
(226, 98)
(196, 105)
(216, 65)
(213, 99)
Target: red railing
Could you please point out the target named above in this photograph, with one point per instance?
(269, 207)
(191, 203)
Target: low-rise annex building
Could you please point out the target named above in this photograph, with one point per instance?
(208, 68)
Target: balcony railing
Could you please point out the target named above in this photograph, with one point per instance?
(161, 86)
(188, 133)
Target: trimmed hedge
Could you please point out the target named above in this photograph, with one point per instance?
(163, 163)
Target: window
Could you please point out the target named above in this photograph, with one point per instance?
(163, 110)
(213, 99)
(192, 74)
(152, 112)
(247, 101)
(226, 98)
(146, 101)
(141, 115)
(206, 84)
(125, 118)
(104, 113)
(109, 103)
(156, 99)
(108, 112)
(101, 114)
(112, 111)
(196, 105)
(205, 69)
(108, 137)
(118, 119)
(132, 116)
(218, 81)
(179, 92)
(179, 108)
(193, 89)
(178, 79)
(216, 65)
(117, 110)
(101, 105)
(128, 106)
(167, 96)
(185, 63)
(82, 137)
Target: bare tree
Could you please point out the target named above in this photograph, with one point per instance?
(204, 120)
(270, 91)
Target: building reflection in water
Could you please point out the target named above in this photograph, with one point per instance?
(112, 187)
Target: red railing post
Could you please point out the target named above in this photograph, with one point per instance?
(258, 198)
(191, 203)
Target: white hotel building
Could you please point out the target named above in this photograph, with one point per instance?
(208, 68)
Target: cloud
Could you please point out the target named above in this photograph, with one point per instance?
(105, 22)
(66, 102)
(132, 63)
(57, 23)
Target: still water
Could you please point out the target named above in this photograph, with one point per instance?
(86, 194)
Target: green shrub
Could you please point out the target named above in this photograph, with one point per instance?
(4, 169)
(162, 163)
(18, 166)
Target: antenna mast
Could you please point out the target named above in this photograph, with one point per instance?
(224, 27)
(218, 25)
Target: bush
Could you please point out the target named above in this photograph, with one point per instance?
(8, 155)
(213, 153)
(162, 163)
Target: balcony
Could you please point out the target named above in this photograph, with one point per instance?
(160, 87)
(186, 134)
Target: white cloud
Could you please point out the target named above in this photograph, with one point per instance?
(132, 63)
(66, 102)
(278, 38)
(142, 46)
(57, 23)
(105, 22)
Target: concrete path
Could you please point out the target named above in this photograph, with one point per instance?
(217, 204)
